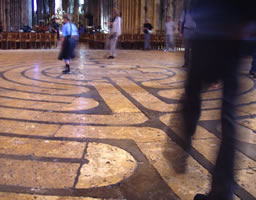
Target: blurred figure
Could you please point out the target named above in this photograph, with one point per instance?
(68, 41)
(81, 28)
(56, 28)
(253, 68)
(42, 28)
(216, 50)
(1, 27)
(115, 32)
(187, 28)
(147, 29)
(169, 32)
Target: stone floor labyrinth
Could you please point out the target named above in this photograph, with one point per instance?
(109, 129)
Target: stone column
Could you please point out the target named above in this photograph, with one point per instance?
(76, 11)
(52, 7)
(156, 8)
(65, 5)
(142, 14)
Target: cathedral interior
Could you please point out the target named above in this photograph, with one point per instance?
(110, 128)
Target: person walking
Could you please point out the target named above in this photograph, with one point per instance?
(56, 28)
(115, 32)
(147, 29)
(169, 34)
(68, 41)
(216, 51)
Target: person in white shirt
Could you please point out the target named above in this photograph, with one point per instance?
(115, 32)
(169, 32)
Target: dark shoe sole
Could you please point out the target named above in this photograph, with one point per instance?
(201, 197)
(65, 71)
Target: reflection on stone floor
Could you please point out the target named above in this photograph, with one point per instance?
(100, 132)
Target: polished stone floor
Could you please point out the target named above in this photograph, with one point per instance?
(108, 130)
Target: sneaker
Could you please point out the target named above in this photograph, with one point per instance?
(111, 57)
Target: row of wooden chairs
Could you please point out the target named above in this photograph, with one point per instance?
(132, 41)
(27, 40)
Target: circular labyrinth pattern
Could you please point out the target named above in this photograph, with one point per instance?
(109, 129)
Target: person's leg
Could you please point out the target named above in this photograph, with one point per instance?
(172, 42)
(188, 35)
(186, 53)
(149, 37)
(223, 174)
(253, 68)
(167, 41)
(146, 41)
(113, 46)
(67, 62)
(192, 98)
(107, 46)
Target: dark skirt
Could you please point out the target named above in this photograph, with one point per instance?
(68, 48)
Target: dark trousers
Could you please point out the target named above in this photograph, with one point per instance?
(187, 53)
(213, 60)
(253, 68)
(188, 34)
(147, 41)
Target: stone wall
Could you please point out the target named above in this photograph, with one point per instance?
(15, 13)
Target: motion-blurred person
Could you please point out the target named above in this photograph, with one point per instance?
(115, 32)
(81, 29)
(169, 34)
(1, 27)
(217, 47)
(250, 37)
(253, 68)
(68, 41)
(147, 29)
(56, 28)
(187, 28)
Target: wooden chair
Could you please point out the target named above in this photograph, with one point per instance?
(4, 40)
(24, 40)
(33, 40)
(53, 40)
(15, 38)
(45, 40)
(8, 40)
(179, 43)
(1, 40)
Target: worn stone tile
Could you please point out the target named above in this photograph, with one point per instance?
(13, 196)
(249, 123)
(144, 134)
(27, 128)
(209, 149)
(36, 174)
(107, 165)
(117, 102)
(247, 179)
(41, 148)
(139, 75)
(163, 156)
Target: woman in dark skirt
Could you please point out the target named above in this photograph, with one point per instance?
(68, 41)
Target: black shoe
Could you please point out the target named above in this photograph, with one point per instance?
(66, 71)
(201, 197)
(111, 57)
